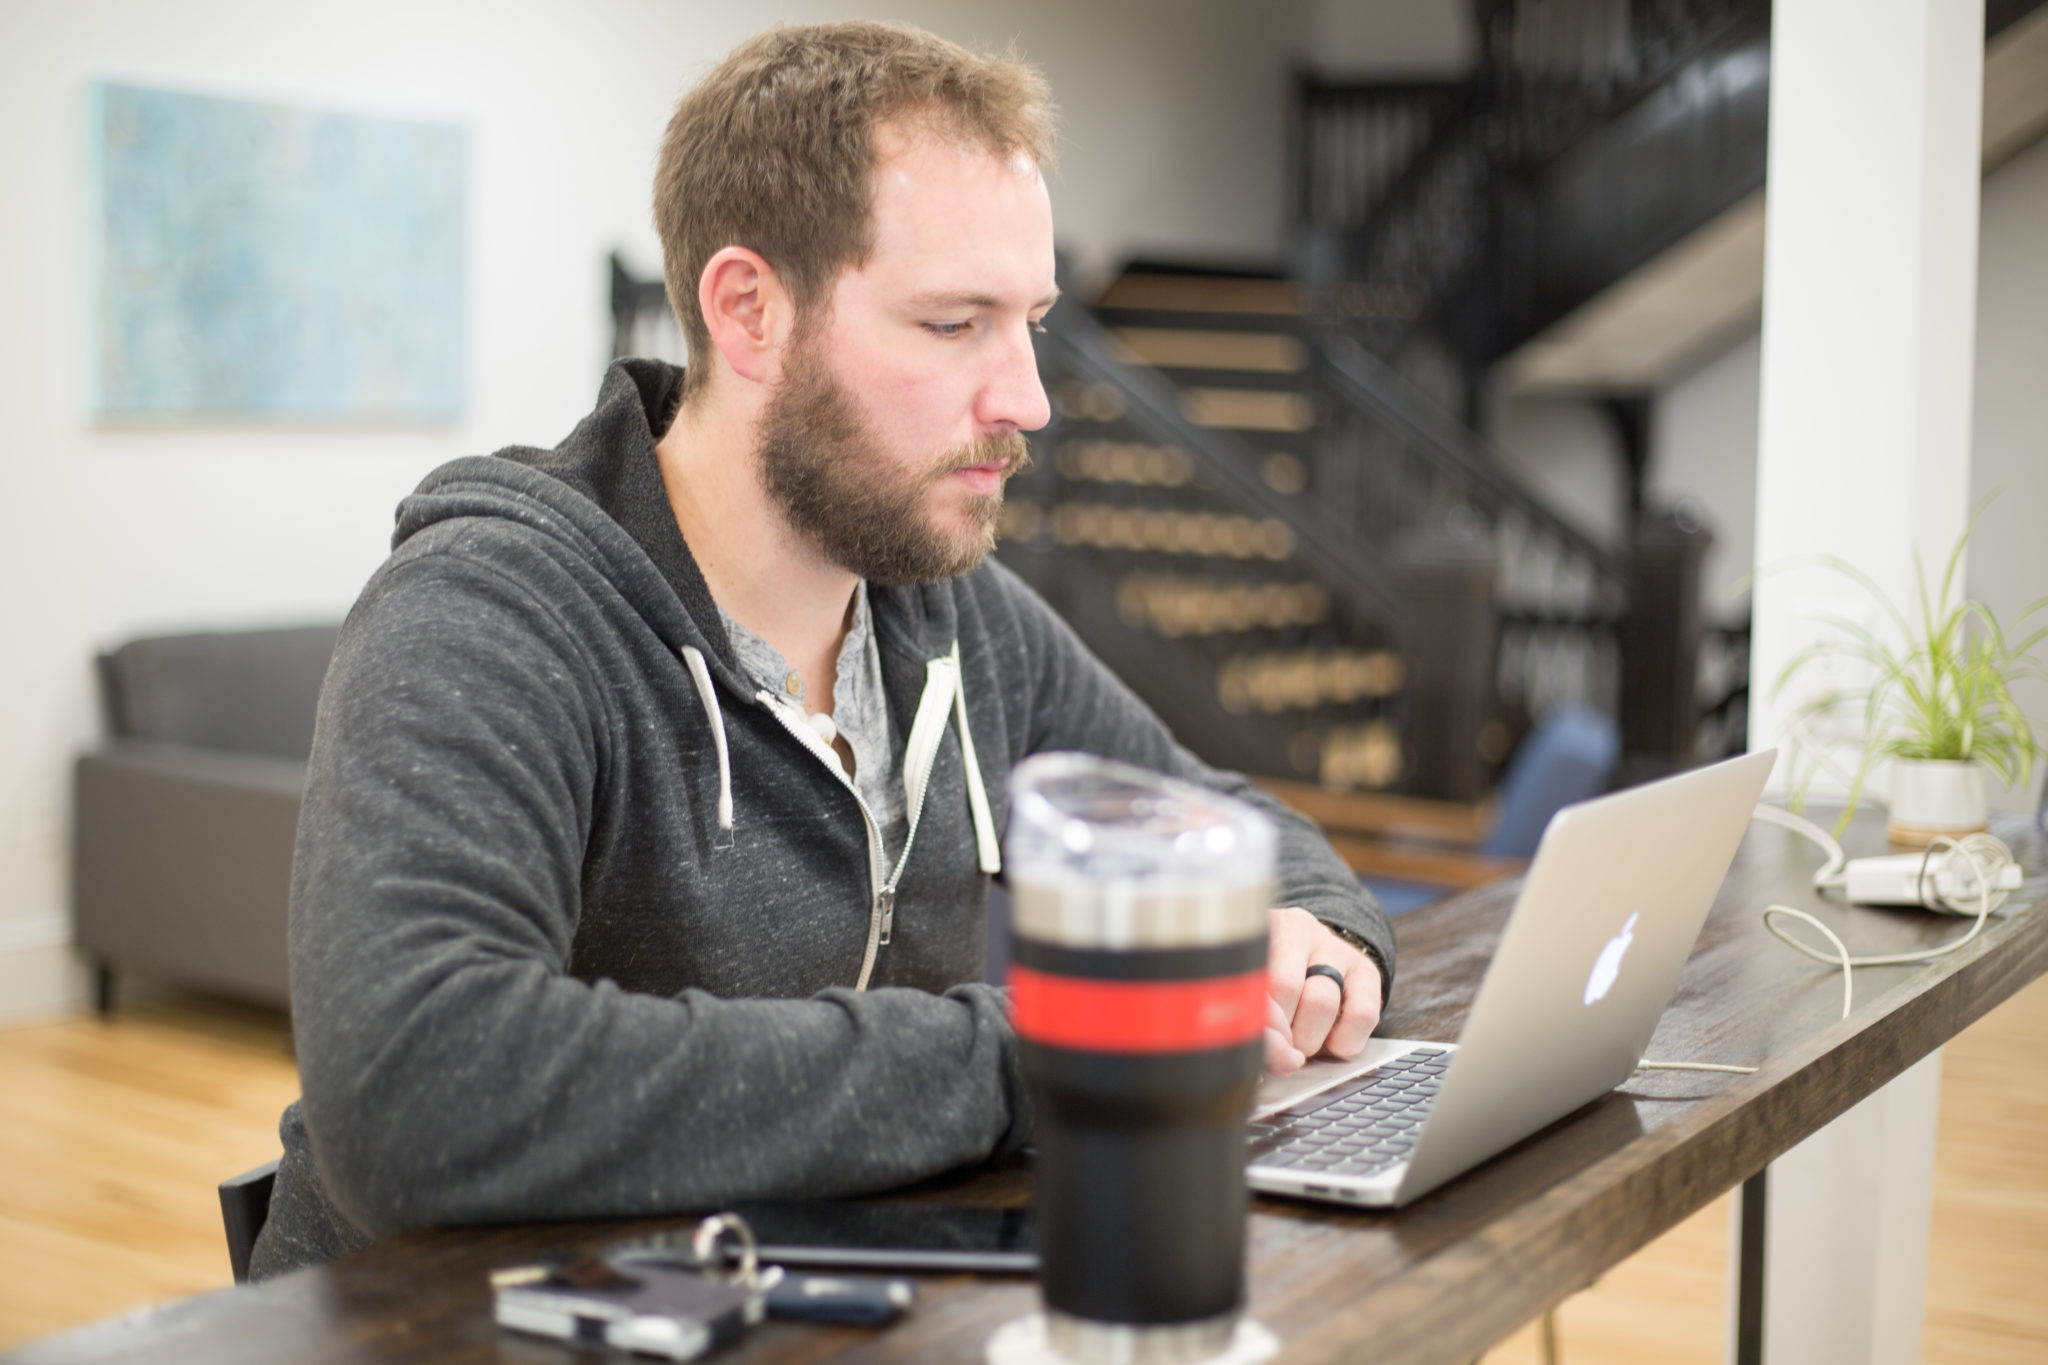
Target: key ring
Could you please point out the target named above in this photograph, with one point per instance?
(704, 1246)
(701, 1253)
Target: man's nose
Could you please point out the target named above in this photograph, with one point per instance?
(1014, 395)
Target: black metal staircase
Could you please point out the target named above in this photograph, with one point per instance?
(1593, 135)
(1170, 527)
(1312, 570)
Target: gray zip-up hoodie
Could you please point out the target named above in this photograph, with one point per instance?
(584, 924)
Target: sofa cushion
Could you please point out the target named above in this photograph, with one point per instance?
(245, 691)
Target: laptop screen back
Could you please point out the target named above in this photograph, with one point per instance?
(1606, 918)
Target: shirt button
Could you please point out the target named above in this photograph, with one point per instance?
(794, 684)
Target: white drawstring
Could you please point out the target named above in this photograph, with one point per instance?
(709, 696)
(990, 852)
(987, 848)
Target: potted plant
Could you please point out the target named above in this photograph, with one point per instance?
(1939, 702)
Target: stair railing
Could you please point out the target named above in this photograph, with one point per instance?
(641, 321)
(1355, 138)
(1362, 384)
(1560, 594)
(1075, 344)
(1392, 467)
(1550, 70)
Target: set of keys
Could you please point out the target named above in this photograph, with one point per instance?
(680, 1296)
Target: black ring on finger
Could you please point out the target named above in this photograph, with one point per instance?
(1325, 969)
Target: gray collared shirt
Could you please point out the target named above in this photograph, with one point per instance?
(859, 711)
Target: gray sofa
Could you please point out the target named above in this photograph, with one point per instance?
(183, 822)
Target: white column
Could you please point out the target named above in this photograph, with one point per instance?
(1845, 1254)
(1863, 452)
(1870, 278)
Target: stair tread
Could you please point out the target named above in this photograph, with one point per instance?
(1209, 349)
(1249, 409)
(1203, 294)
(1112, 315)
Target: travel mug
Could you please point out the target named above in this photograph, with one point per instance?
(1137, 987)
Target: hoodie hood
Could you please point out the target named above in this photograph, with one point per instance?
(600, 494)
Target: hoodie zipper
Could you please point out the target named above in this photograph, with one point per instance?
(882, 904)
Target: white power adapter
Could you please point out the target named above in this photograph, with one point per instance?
(1943, 880)
(1971, 876)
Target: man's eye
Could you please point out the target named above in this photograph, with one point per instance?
(1038, 324)
(947, 329)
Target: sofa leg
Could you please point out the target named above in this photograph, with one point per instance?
(103, 987)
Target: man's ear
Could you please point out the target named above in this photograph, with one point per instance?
(747, 310)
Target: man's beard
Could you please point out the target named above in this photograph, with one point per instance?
(826, 470)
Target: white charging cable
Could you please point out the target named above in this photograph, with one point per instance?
(1982, 854)
(1985, 856)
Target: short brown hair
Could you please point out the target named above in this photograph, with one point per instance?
(774, 150)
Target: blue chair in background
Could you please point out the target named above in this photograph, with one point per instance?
(1570, 755)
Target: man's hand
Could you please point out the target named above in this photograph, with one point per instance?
(1303, 1016)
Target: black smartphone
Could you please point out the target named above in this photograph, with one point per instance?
(878, 1234)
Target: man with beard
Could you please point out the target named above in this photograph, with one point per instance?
(658, 778)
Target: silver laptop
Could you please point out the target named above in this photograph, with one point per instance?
(1606, 918)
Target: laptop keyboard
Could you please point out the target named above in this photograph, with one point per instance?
(1362, 1127)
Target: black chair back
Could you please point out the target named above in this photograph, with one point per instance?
(244, 1207)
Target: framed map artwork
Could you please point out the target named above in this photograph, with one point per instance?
(263, 262)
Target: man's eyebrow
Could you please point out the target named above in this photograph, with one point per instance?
(967, 298)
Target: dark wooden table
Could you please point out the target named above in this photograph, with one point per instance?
(1439, 1281)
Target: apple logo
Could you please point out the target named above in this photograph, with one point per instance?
(1608, 966)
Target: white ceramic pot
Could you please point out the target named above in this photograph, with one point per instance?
(1933, 797)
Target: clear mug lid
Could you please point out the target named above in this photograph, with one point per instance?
(1105, 854)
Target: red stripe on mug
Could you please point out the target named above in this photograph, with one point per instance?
(1092, 1015)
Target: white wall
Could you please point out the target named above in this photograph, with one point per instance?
(1569, 451)
(1175, 120)
(1415, 39)
(1706, 424)
(2008, 564)
(1175, 117)
(1703, 438)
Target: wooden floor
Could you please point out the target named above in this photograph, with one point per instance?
(117, 1132)
(115, 1137)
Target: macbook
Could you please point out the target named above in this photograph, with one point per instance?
(1605, 920)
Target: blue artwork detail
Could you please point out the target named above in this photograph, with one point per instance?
(261, 261)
